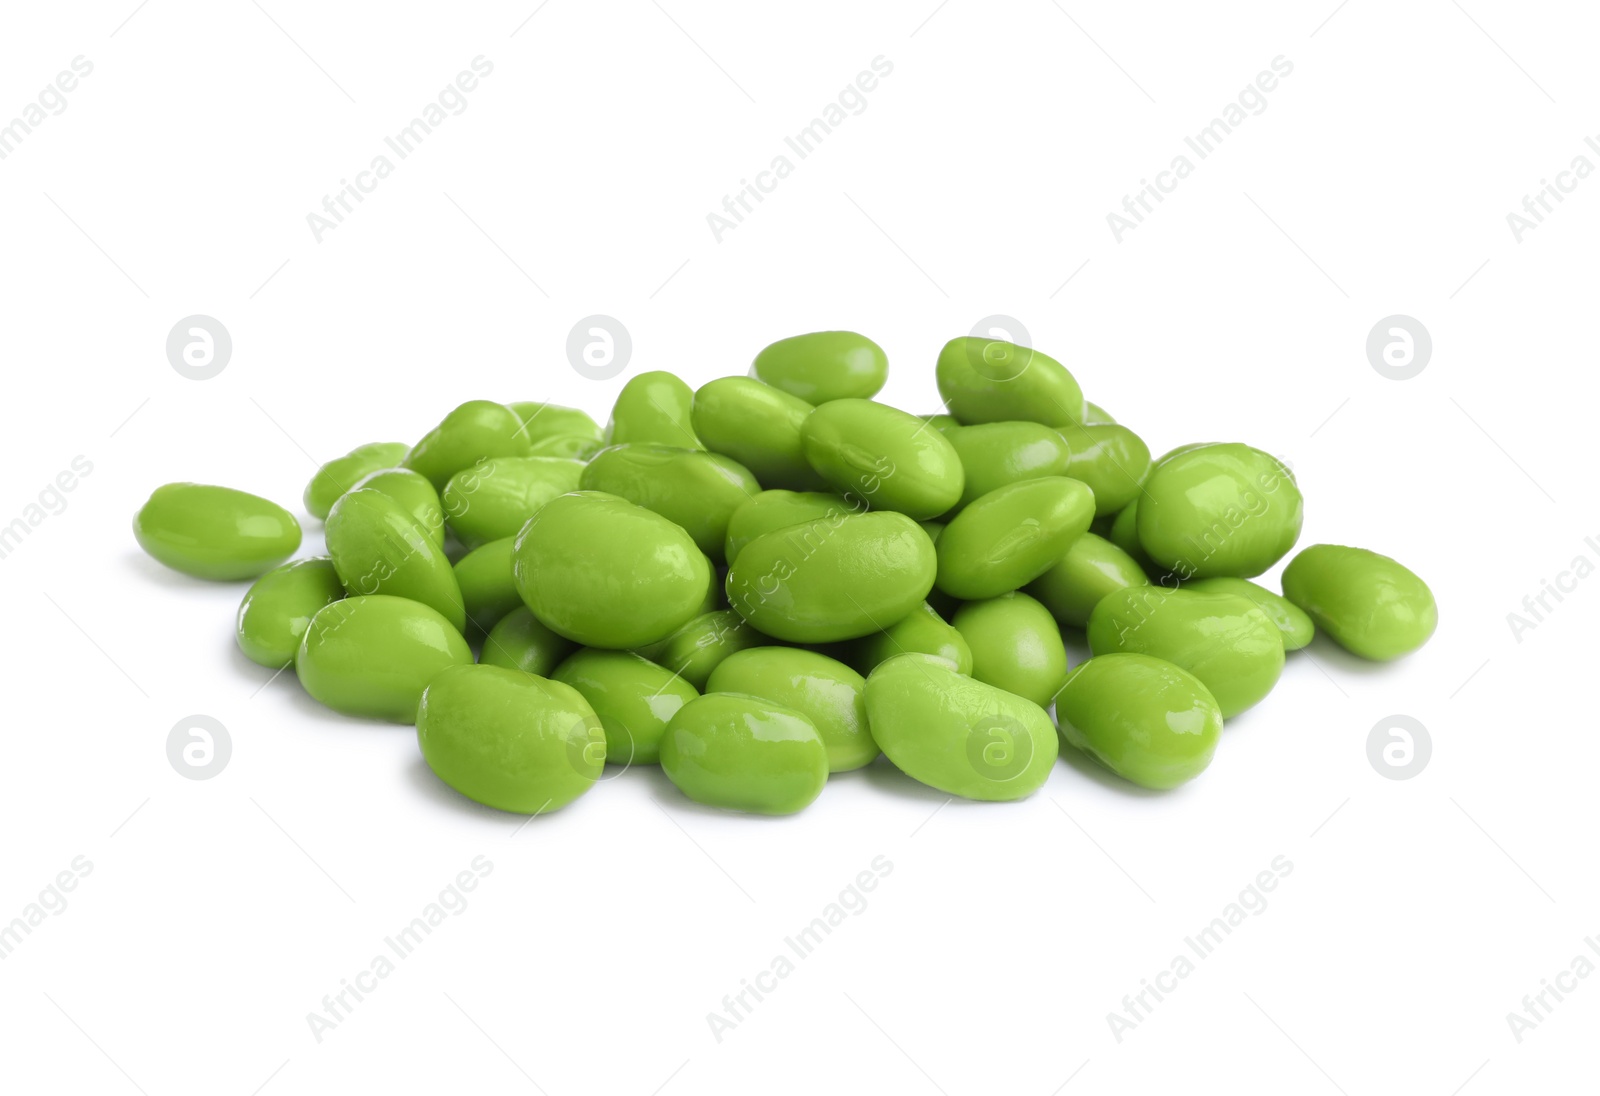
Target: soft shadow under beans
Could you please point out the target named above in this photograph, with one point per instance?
(667, 796)
(1336, 660)
(1079, 761)
(423, 780)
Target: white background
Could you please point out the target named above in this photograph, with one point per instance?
(219, 913)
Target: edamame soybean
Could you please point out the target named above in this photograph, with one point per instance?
(634, 698)
(1224, 640)
(1011, 536)
(494, 498)
(759, 427)
(520, 642)
(922, 631)
(414, 493)
(1369, 604)
(606, 573)
(488, 590)
(1143, 718)
(693, 489)
(373, 655)
(822, 689)
(994, 454)
(474, 431)
(279, 606)
(566, 446)
(770, 511)
(541, 421)
(695, 650)
(823, 366)
(1219, 510)
(1091, 568)
(1015, 645)
(378, 548)
(215, 533)
(893, 460)
(1294, 625)
(833, 578)
(992, 380)
(342, 473)
(955, 733)
(654, 409)
(1111, 459)
(744, 753)
(510, 740)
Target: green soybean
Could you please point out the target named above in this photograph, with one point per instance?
(1219, 510)
(922, 631)
(1015, 644)
(654, 409)
(822, 689)
(510, 740)
(566, 446)
(833, 578)
(1369, 604)
(1011, 536)
(373, 655)
(893, 460)
(1124, 532)
(696, 490)
(1091, 568)
(215, 533)
(759, 427)
(488, 590)
(955, 733)
(1224, 640)
(606, 573)
(1143, 718)
(634, 698)
(823, 366)
(520, 642)
(341, 474)
(541, 421)
(769, 511)
(378, 548)
(474, 431)
(414, 493)
(492, 499)
(279, 606)
(744, 753)
(994, 454)
(991, 380)
(695, 650)
(1111, 459)
(1292, 622)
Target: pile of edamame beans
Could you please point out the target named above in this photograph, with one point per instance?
(774, 578)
